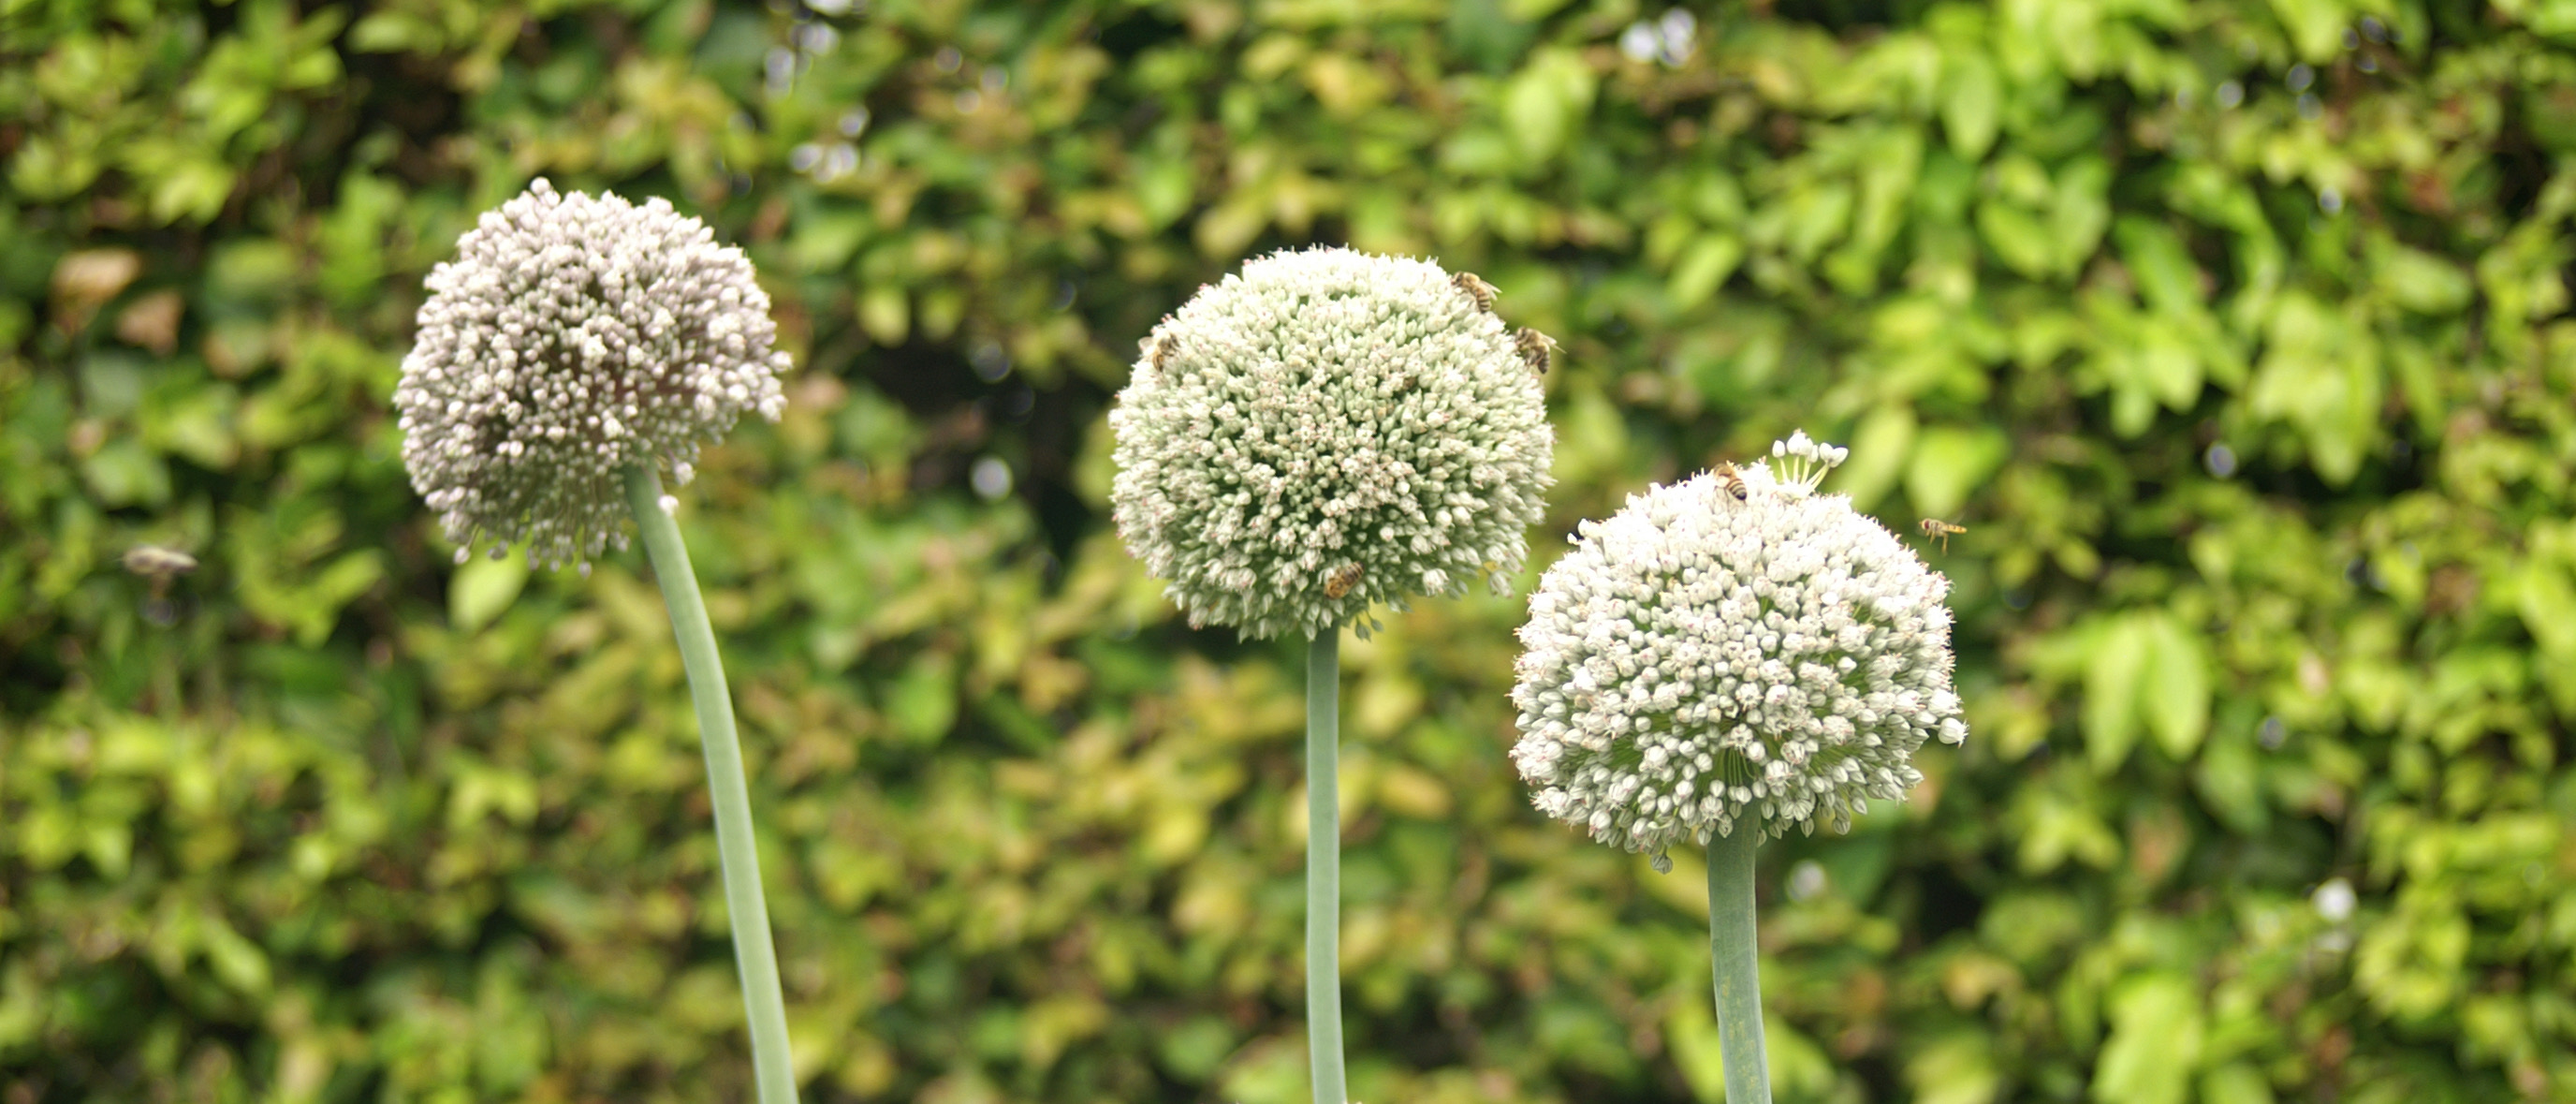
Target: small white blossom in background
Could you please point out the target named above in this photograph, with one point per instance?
(570, 338)
(1668, 40)
(1327, 430)
(2335, 900)
(1701, 663)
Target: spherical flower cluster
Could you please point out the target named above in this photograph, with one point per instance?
(570, 338)
(1327, 430)
(1731, 648)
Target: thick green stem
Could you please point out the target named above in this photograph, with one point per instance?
(753, 956)
(1731, 948)
(1324, 865)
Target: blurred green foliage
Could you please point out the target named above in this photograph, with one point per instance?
(2236, 332)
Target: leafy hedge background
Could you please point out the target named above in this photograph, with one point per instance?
(2236, 332)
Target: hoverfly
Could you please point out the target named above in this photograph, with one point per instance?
(157, 563)
(1937, 529)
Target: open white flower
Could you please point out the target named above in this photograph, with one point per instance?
(1700, 660)
(570, 338)
(1326, 430)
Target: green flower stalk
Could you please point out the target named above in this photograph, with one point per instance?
(575, 349)
(1322, 432)
(1724, 659)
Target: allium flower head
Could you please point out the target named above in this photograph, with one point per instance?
(1702, 663)
(1327, 430)
(569, 338)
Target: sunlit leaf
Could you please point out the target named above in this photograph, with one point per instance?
(483, 587)
(2115, 668)
(2174, 686)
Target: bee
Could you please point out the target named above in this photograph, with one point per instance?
(1477, 289)
(1342, 580)
(1732, 479)
(1158, 348)
(1935, 528)
(157, 563)
(1534, 348)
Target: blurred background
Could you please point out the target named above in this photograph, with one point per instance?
(2235, 333)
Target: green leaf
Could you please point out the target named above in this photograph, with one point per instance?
(2062, 822)
(2230, 779)
(2020, 240)
(194, 423)
(1543, 102)
(319, 602)
(2546, 598)
(124, 472)
(2156, 1030)
(2168, 279)
(389, 32)
(2320, 372)
(2113, 671)
(1971, 102)
(1703, 267)
(194, 189)
(2420, 281)
(50, 168)
(828, 239)
(2316, 26)
(1950, 463)
(1815, 217)
(886, 314)
(2168, 368)
(1164, 188)
(2235, 1083)
(1878, 451)
(1196, 1048)
(482, 588)
(923, 703)
(236, 960)
(2081, 211)
(246, 275)
(1716, 198)
(1956, 1069)
(2175, 693)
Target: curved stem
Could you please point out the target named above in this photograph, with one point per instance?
(1733, 961)
(753, 956)
(1324, 865)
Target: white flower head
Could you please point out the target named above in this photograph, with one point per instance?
(1700, 663)
(1326, 430)
(570, 338)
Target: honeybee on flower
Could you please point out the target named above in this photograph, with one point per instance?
(1477, 289)
(1732, 480)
